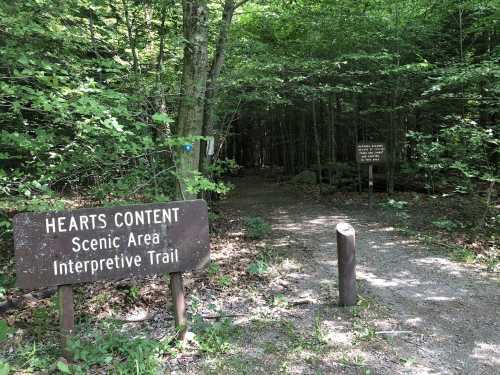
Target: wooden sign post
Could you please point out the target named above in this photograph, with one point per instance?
(370, 153)
(66, 317)
(87, 245)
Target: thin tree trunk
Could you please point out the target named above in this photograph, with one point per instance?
(162, 32)
(461, 45)
(131, 38)
(92, 33)
(356, 138)
(303, 130)
(317, 142)
(160, 94)
(283, 143)
(215, 69)
(333, 144)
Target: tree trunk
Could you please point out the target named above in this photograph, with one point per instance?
(194, 78)
(214, 73)
(160, 101)
(317, 142)
(333, 144)
(131, 38)
(356, 138)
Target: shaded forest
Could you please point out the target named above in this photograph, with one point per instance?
(104, 103)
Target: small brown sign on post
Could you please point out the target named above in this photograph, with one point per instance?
(70, 247)
(370, 153)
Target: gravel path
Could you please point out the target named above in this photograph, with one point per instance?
(440, 317)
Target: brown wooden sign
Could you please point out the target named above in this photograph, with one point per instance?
(60, 248)
(370, 153)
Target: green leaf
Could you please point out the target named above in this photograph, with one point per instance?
(4, 330)
(4, 368)
(63, 367)
(162, 118)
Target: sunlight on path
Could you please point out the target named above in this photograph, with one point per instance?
(449, 309)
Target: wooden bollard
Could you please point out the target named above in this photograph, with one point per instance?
(66, 317)
(346, 254)
(179, 300)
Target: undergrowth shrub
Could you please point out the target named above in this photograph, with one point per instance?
(256, 228)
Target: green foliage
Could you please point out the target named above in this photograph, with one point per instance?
(197, 183)
(119, 352)
(4, 330)
(463, 254)
(6, 281)
(133, 292)
(222, 167)
(279, 300)
(224, 281)
(258, 267)
(465, 149)
(37, 355)
(213, 269)
(214, 338)
(42, 321)
(394, 204)
(4, 368)
(63, 367)
(261, 264)
(447, 224)
(256, 228)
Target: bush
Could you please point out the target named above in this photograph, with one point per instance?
(256, 228)
(305, 177)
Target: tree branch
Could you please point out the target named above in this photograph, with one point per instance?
(240, 3)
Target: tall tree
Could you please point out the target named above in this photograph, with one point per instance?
(194, 79)
(216, 65)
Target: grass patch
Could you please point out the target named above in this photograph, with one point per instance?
(217, 337)
(256, 228)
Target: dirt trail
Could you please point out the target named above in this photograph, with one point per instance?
(439, 316)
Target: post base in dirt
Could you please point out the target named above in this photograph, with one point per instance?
(66, 317)
(346, 253)
(179, 300)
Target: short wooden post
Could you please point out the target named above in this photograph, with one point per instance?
(370, 185)
(66, 317)
(346, 254)
(178, 298)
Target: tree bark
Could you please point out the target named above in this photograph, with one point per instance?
(317, 142)
(194, 78)
(215, 69)
(131, 38)
(333, 143)
(356, 137)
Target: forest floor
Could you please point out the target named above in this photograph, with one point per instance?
(269, 306)
(419, 311)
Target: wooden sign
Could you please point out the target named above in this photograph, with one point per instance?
(85, 245)
(370, 153)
